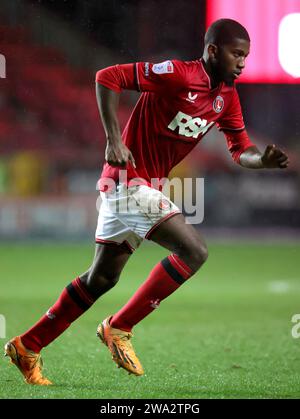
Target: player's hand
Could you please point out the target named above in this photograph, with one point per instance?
(118, 155)
(273, 157)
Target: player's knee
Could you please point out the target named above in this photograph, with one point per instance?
(105, 278)
(99, 282)
(196, 255)
(200, 255)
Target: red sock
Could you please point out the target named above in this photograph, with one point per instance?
(164, 279)
(73, 301)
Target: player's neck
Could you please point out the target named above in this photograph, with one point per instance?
(214, 82)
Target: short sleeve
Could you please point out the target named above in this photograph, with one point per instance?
(144, 76)
(167, 75)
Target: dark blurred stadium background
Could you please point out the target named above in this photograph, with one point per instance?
(52, 142)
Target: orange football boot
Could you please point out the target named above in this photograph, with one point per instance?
(118, 342)
(29, 363)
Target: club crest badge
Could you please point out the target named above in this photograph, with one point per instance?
(218, 104)
(164, 204)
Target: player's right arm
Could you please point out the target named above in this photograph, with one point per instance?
(116, 152)
(143, 77)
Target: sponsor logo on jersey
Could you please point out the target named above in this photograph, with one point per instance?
(191, 97)
(189, 126)
(154, 303)
(2, 66)
(218, 104)
(147, 67)
(50, 315)
(163, 68)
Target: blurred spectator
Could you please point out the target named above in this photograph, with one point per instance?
(3, 176)
(27, 174)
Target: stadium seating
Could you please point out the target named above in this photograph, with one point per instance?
(45, 103)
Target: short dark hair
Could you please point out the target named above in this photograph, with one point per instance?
(224, 31)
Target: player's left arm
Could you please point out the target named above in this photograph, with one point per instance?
(272, 158)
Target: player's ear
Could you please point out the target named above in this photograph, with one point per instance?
(212, 50)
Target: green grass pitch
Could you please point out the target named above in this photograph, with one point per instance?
(226, 333)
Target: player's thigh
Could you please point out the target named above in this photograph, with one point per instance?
(181, 238)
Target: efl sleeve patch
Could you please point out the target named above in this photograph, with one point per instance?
(163, 68)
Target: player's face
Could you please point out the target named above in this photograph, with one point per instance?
(231, 59)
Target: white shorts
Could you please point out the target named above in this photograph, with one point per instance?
(129, 215)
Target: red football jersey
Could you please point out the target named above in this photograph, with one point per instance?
(176, 109)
